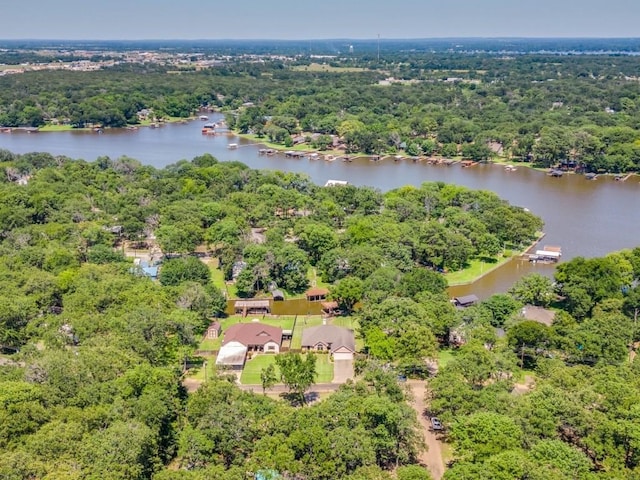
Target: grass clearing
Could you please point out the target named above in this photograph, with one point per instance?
(445, 357)
(199, 373)
(475, 269)
(217, 278)
(59, 128)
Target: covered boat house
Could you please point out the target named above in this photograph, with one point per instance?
(316, 294)
(252, 307)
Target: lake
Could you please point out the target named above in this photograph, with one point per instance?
(586, 218)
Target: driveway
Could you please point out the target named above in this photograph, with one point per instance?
(342, 371)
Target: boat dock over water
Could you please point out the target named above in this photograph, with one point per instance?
(548, 254)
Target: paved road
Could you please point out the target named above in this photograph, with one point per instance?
(432, 458)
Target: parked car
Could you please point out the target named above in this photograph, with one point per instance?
(436, 425)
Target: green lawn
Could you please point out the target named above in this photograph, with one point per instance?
(324, 368)
(445, 357)
(251, 372)
(217, 278)
(477, 267)
(199, 372)
(348, 322)
(252, 368)
(58, 128)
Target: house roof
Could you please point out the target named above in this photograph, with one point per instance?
(316, 292)
(232, 354)
(252, 304)
(254, 333)
(330, 335)
(466, 300)
(329, 305)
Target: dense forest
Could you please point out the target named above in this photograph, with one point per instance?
(577, 110)
(90, 377)
(538, 383)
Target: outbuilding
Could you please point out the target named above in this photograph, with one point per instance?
(316, 294)
(465, 301)
(252, 307)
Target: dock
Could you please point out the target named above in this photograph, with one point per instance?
(620, 178)
(548, 254)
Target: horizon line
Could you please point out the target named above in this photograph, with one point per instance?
(319, 39)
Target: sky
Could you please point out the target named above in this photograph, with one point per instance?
(297, 19)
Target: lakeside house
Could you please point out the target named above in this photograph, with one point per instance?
(256, 336)
(241, 338)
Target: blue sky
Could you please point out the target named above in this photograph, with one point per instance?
(297, 19)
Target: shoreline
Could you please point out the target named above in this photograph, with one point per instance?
(401, 155)
(309, 150)
(505, 261)
(50, 128)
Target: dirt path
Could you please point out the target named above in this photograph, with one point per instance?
(522, 388)
(432, 458)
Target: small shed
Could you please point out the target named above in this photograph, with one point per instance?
(213, 331)
(316, 294)
(278, 295)
(252, 307)
(465, 301)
